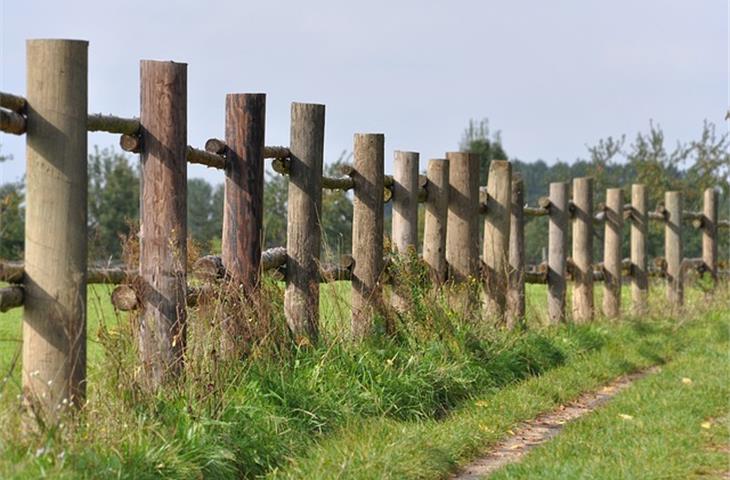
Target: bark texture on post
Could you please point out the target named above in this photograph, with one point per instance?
(612, 252)
(709, 232)
(437, 209)
(405, 218)
(304, 233)
(496, 238)
(639, 262)
(54, 317)
(462, 232)
(367, 231)
(557, 251)
(516, 291)
(243, 210)
(583, 249)
(673, 248)
(163, 232)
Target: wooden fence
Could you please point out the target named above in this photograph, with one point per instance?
(51, 284)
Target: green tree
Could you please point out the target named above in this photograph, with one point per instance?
(204, 215)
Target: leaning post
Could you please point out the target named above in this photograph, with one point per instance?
(583, 249)
(497, 239)
(54, 316)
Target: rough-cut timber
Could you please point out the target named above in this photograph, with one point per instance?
(673, 248)
(11, 122)
(130, 143)
(163, 229)
(11, 297)
(557, 251)
(367, 232)
(303, 241)
(639, 263)
(405, 217)
(462, 232)
(709, 232)
(612, 252)
(112, 124)
(54, 317)
(437, 209)
(201, 157)
(497, 239)
(583, 249)
(16, 103)
(13, 272)
(516, 290)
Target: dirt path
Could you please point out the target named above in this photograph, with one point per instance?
(543, 428)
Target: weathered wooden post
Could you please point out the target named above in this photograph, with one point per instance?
(639, 263)
(437, 209)
(557, 251)
(304, 232)
(673, 248)
(405, 216)
(612, 252)
(54, 317)
(367, 231)
(516, 291)
(495, 248)
(163, 232)
(462, 232)
(709, 232)
(583, 249)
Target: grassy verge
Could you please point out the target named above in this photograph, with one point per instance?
(670, 425)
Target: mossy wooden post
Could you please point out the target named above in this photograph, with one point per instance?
(497, 239)
(367, 231)
(557, 251)
(437, 209)
(639, 262)
(54, 317)
(462, 232)
(163, 235)
(304, 211)
(516, 289)
(673, 248)
(612, 252)
(583, 249)
(405, 218)
(709, 232)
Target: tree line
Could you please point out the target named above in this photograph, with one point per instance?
(688, 167)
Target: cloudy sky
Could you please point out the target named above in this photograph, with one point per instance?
(551, 76)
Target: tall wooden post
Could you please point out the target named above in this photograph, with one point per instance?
(583, 249)
(163, 236)
(54, 317)
(673, 248)
(496, 238)
(367, 231)
(709, 232)
(437, 209)
(405, 216)
(612, 252)
(516, 291)
(462, 232)
(639, 263)
(304, 232)
(557, 251)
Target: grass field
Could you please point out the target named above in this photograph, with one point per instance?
(417, 405)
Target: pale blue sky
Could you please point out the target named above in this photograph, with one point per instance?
(552, 76)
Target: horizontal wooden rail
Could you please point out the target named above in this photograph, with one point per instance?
(13, 272)
(11, 297)
(12, 102)
(12, 122)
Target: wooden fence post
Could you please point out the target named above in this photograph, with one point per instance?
(437, 209)
(612, 252)
(639, 264)
(516, 291)
(462, 232)
(709, 232)
(496, 238)
(163, 249)
(583, 249)
(367, 231)
(54, 317)
(405, 217)
(557, 250)
(304, 232)
(673, 248)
